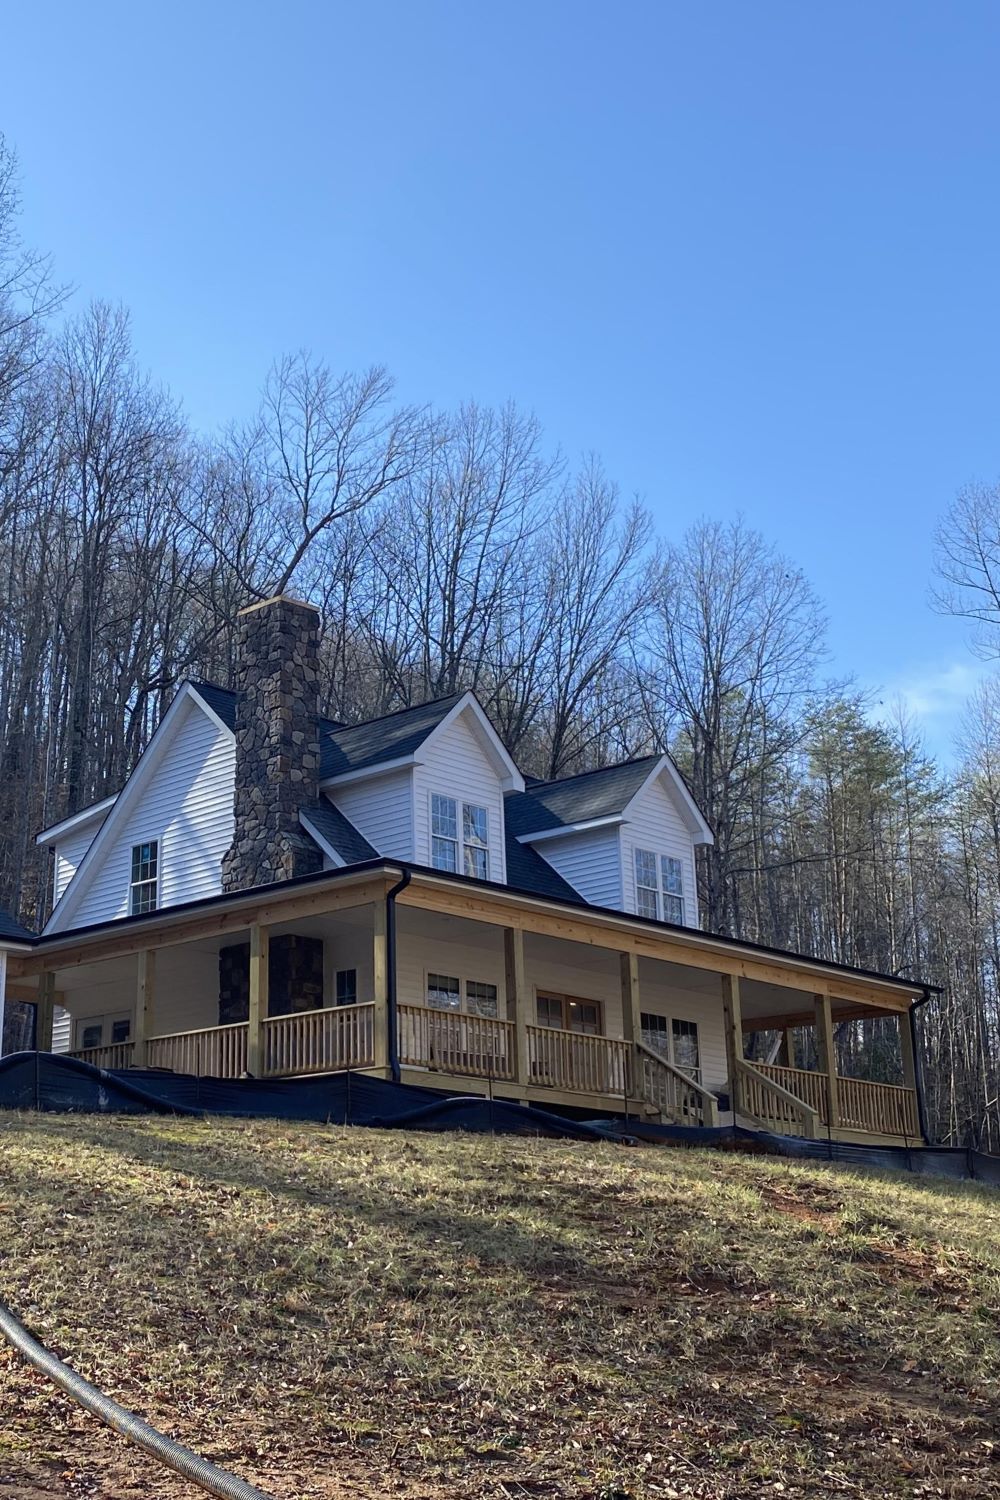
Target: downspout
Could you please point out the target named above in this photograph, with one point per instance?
(390, 972)
(918, 1078)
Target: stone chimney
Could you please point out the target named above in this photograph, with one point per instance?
(277, 744)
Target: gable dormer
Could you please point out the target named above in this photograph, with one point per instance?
(426, 784)
(624, 836)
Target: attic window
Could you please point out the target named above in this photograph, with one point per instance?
(659, 886)
(144, 883)
(475, 859)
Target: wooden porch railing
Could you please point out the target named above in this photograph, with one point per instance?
(115, 1055)
(579, 1063)
(757, 1094)
(808, 1086)
(216, 1052)
(320, 1041)
(877, 1108)
(453, 1042)
(676, 1094)
(882, 1108)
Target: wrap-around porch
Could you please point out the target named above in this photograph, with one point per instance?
(475, 992)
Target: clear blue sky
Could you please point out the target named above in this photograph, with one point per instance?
(745, 251)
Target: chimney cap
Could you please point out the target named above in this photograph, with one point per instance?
(277, 599)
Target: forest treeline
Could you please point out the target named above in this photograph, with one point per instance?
(458, 549)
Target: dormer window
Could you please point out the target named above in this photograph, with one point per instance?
(659, 887)
(445, 842)
(144, 882)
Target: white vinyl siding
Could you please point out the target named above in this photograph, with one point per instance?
(455, 764)
(653, 823)
(187, 804)
(62, 1029)
(591, 862)
(381, 808)
(69, 853)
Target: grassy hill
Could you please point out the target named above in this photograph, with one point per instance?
(358, 1313)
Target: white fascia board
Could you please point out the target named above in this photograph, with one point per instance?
(367, 773)
(331, 853)
(148, 762)
(568, 829)
(510, 777)
(78, 820)
(690, 811)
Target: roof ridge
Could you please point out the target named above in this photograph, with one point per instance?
(618, 765)
(395, 713)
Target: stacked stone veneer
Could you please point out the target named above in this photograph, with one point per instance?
(277, 745)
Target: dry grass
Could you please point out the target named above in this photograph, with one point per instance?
(350, 1312)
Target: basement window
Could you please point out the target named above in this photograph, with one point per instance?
(144, 884)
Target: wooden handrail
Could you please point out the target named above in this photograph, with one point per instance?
(579, 1062)
(455, 1041)
(670, 1100)
(754, 1089)
(330, 1040)
(216, 1051)
(115, 1055)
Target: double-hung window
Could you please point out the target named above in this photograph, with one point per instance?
(659, 886)
(673, 890)
(144, 881)
(460, 847)
(673, 1039)
(447, 991)
(347, 986)
(103, 1031)
(646, 890)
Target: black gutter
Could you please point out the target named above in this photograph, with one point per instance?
(918, 1074)
(204, 903)
(392, 1026)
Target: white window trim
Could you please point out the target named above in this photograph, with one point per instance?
(106, 1018)
(661, 892)
(156, 839)
(461, 803)
(463, 981)
(670, 1018)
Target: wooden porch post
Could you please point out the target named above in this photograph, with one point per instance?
(906, 1050)
(517, 999)
(631, 1003)
(785, 1048)
(380, 985)
(46, 1004)
(733, 1018)
(145, 985)
(260, 951)
(827, 1057)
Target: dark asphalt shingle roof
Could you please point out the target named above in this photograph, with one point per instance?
(577, 799)
(340, 832)
(353, 747)
(13, 930)
(390, 738)
(222, 701)
(528, 871)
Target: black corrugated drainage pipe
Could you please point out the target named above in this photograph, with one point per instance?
(175, 1456)
(390, 972)
(918, 1076)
